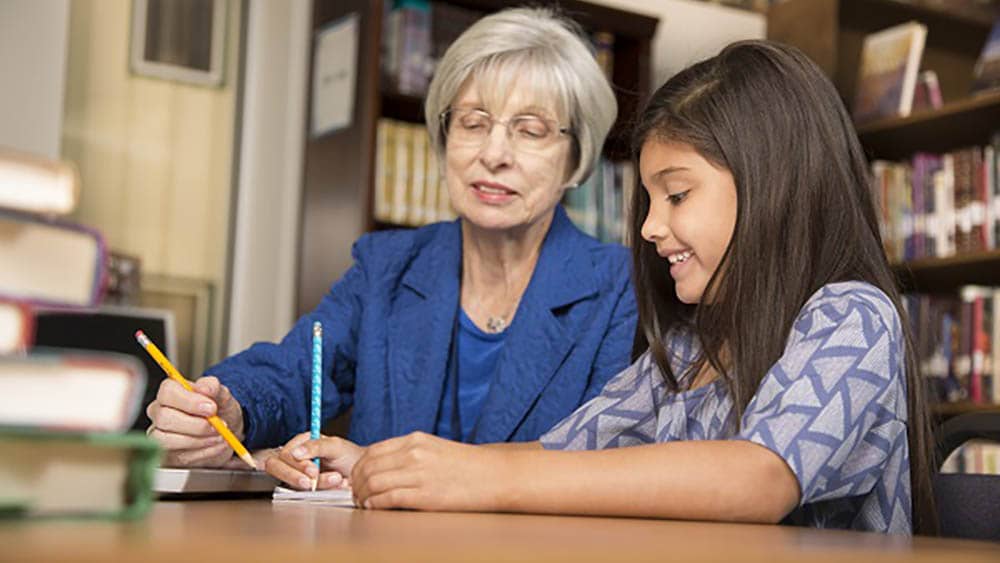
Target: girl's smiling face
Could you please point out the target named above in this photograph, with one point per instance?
(692, 212)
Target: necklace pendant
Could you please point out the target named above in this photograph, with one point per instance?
(496, 324)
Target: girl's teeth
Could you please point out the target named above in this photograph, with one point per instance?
(678, 258)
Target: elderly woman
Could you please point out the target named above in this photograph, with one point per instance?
(491, 328)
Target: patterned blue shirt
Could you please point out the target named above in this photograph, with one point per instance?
(833, 407)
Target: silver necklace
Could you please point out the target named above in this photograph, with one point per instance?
(496, 324)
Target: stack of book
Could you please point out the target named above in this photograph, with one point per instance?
(940, 205)
(957, 337)
(63, 413)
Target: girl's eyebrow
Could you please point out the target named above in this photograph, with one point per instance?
(668, 171)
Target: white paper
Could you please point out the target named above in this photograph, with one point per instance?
(334, 75)
(328, 497)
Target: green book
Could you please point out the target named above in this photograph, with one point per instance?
(65, 474)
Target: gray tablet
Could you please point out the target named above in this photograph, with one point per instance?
(204, 482)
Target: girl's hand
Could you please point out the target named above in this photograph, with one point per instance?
(424, 472)
(293, 464)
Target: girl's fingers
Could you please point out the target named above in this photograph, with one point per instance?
(374, 484)
(330, 448)
(280, 469)
(396, 498)
(331, 480)
(304, 465)
(389, 446)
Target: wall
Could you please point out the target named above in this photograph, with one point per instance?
(270, 180)
(690, 31)
(155, 156)
(33, 65)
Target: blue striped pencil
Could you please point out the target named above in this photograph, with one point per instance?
(317, 387)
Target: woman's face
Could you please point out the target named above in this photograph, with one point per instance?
(505, 181)
(692, 213)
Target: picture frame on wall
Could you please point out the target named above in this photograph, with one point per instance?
(179, 40)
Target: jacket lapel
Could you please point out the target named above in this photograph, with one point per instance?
(538, 343)
(420, 331)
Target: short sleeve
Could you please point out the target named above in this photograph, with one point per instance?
(834, 405)
(622, 415)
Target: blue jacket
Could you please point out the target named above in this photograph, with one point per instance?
(388, 324)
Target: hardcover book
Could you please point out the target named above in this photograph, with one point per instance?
(77, 475)
(71, 391)
(986, 74)
(16, 327)
(887, 74)
(55, 263)
(34, 184)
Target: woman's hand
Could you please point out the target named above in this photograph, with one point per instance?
(293, 464)
(424, 472)
(180, 425)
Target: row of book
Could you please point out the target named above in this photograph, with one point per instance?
(416, 34)
(598, 206)
(408, 186)
(939, 205)
(958, 343)
(65, 448)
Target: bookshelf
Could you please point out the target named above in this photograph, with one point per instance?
(339, 168)
(831, 32)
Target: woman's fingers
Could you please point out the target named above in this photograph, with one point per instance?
(171, 420)
(213, 455)
(173, 395)
(173, 441)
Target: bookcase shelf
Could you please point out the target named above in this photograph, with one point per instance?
(942, 16)
(403, 107)
(964, 122)
(945, 410)
(938, 275)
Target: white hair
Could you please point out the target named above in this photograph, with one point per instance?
(546, 49)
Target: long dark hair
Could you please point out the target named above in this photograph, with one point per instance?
(805, 218)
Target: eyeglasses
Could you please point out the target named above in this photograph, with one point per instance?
(526, 133)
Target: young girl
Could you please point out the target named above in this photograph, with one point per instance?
(779, 384)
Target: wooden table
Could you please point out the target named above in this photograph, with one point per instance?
(257, 530)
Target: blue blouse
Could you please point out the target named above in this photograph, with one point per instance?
(833, 407)
(477, 354)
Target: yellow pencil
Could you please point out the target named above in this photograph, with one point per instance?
(214, 420)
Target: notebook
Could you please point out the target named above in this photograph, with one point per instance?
(329, 497)
(174, 482)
